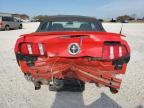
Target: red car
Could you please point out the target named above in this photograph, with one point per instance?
(67, 51)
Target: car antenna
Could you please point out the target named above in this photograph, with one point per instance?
(121, 28)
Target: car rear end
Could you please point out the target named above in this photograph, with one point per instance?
(99, 60)
(88, 56)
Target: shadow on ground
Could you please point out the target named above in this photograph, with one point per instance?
(75, 100)
(139, 106)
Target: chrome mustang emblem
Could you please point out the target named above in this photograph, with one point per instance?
(74, 48)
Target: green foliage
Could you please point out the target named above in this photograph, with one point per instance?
(125, 17)
(40, 17)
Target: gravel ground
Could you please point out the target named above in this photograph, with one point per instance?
(16, 92)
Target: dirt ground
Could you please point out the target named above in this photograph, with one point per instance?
(16, 92)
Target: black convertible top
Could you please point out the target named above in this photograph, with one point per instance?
(70, 18)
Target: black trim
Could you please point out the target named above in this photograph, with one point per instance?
(119, 63)
(29, 59)
(70, 18)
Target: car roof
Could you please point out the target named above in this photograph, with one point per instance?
(69, 18)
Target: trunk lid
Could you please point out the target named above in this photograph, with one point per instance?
(63, 43)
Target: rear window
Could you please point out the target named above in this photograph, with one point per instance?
(70, 26)
(7, 18)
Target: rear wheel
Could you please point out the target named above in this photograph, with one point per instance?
(37, 85)
(20, 27)
(113, 90)
(7, 27)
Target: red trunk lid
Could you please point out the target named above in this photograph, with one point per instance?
(58, 43)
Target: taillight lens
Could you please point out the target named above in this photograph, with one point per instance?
(41, 49)
(32, 49)
(0, 24)
(29, 47)
(114, 51)
(24, 49)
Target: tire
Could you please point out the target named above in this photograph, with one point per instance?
(20, 27)
(113, 90)
(7, 28)
(58, 84)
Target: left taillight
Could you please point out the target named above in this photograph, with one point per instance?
(29, 47)
(41, 49)
(111, 52)
(32, 49)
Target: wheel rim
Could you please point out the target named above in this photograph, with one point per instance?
(7, 28)
(20, 27)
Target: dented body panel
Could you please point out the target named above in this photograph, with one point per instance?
(48, 55)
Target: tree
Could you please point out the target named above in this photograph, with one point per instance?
(133, 16)
(124, 17)
(40, 17)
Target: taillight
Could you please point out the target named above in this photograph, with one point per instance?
(29, 47)
(114, 51)
(1, 24)
(111, 52)
(40, 46)
(32, 49)
(24, 49)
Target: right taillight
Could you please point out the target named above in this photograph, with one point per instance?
(114, 51)
(32, 49)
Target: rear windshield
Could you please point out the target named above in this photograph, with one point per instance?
(7, 18)
(70, 26)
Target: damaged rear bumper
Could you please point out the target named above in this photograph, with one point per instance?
(94, 71)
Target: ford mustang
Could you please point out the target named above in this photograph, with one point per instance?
(66, 52)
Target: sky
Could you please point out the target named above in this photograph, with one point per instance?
(96, 8)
